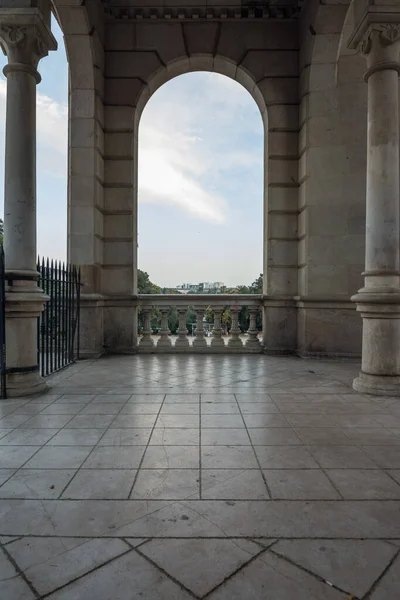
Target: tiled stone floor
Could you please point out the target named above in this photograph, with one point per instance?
(218, 477)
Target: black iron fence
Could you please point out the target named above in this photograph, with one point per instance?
(2, 326)
(58, 325)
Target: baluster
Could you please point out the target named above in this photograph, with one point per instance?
(146, 343)
(182, 342)
(235, 343)
(199, 341)
(217, 341)
(165, 341)
(253, 344)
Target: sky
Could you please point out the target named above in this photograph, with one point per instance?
(200, 175)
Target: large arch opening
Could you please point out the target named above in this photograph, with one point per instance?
(200, 184)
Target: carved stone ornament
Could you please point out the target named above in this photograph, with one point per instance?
(389, 33)
(22, 44)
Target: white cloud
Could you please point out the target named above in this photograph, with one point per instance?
(52, 132)
(176, 167)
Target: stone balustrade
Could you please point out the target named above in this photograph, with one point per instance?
(206, 337)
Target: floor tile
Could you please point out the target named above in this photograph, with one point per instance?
(200, 565)
(389, 585)
(300, 420)
(272, 578)
(285, 457)
(4, 432)
(327, 436)
(233, 484)
(101, 409)
(165, 484)
(76, 437)
(296, 484)
(146, 398)
(15, 456)
(171, 457)
(126, 573)
(100, 484)
(225, 437)
(387, 457)
(91, 421)
(28, 437)
(36, 483)
(12, 587)
(133, 421)
(377, 436)
(72, 408)
(58, 457)
(351, 565)
(47, 422)
(228, 457)
(180, 421)
(274, 436)
(222, 421)
(182, 398)
(112, 457)
(113, 398)
(175, 437)
(5, 474)
(180, 408)
(205, 398)
(341, 457)
(369, 484)
(219, 408)
(258, 408)
(50, 571)
(11, 421)
(125, 437)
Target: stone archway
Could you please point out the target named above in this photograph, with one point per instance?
(266, 65)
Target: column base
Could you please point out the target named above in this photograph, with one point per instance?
(199, 343)
(25, 384)
(377, 385)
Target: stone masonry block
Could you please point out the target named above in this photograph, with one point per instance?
(132, 64)
(164, 38)
(271, 63)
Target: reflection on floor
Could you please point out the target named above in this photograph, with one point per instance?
(176, 477)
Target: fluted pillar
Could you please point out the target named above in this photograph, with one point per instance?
(200, 341)
(379, 300)
(235, 343)
(164, 342)
(182, 342)
(26, 39)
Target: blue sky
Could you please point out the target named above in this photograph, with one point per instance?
(200, 176)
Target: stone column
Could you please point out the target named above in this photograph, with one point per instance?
(182, 343)
(253, 343)
(217, 343)
(379, 300)
(26, 39)
(164, 342)
(146, 344)
(235, 343)
(200, 341)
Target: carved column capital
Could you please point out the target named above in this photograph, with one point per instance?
(25, 40)
(377, 37)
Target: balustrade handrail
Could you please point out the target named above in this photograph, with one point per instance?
(205, 300)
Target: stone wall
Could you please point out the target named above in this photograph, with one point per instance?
(332, 184)
(314, 180)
